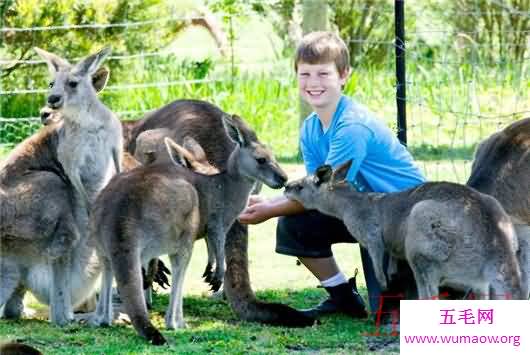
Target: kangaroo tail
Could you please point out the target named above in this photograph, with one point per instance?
(128, 273)
(240, 294)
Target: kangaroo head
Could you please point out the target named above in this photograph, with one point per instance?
(254, 160)
(190, 155)
(310, 189)
(99, 81)
(73, 86)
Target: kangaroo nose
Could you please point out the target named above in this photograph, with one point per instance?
(54, 99)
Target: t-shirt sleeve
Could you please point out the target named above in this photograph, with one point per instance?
(310, 161)
(350, 141)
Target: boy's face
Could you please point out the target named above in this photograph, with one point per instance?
(320, 85)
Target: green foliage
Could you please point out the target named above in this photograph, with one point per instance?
(367, 27)
(147, 37)
(493, 31)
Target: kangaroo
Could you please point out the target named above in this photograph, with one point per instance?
(450, 234)
(90, 148)
(203, 122)
(221, 198)
(146, 152)
(38, 230)
(501, 169)
(42, 217)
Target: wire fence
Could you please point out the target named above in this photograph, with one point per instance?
(455, 97)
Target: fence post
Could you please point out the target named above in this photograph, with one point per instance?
(401, 93)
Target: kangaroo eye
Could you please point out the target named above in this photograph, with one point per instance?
(72, 84)
(50, 85)
(261, 160)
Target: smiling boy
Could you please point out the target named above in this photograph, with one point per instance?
(338, 130)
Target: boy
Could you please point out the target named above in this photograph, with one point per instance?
(339, 129)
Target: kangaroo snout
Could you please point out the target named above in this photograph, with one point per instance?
(55, 101)
(281, 180)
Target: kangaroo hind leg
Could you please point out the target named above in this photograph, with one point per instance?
(179, 264)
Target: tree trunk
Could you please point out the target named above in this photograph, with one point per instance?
(315, 18)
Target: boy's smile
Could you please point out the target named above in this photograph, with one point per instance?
(320, 85)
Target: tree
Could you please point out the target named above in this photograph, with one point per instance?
(315, 18)
(159, 24)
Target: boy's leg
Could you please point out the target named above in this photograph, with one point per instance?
(309, 237)
(321, 268)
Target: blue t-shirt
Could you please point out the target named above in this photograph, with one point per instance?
(380, 162)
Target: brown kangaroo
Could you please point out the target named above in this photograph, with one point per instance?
(501, 169)
(450, 234)
(203, 122)
(220, 199)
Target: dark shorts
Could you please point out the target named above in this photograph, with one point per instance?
(310, 234)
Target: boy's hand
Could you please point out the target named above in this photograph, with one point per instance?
(253, 199)
(257, 211)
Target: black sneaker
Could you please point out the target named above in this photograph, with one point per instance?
(344, 298)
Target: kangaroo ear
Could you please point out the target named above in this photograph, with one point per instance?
(232, 129)
(339, 174)
(100, 78)
(178, 154)
(55, 63)
(194, 148)
(323, 174)
(90, 64)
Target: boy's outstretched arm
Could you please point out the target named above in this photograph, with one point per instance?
(259, 210)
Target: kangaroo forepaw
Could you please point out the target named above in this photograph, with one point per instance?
(161, 275)
(208, 273)
(216, 284)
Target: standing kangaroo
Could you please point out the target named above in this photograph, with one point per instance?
(204, 122)
(160, 202)
(90, 147)
(450, 234)
(43, 193)
(501, 169)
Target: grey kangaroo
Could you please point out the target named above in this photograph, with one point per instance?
(43, 193)
(39, 229)
(450, 234)
(501, 169)
(162, 208)
(90, 148)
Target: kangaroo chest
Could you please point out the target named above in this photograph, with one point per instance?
(224, 202)
(88, 153)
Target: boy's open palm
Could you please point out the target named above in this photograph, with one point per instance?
(257, 211)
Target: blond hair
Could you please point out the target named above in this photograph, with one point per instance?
(323, 47)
